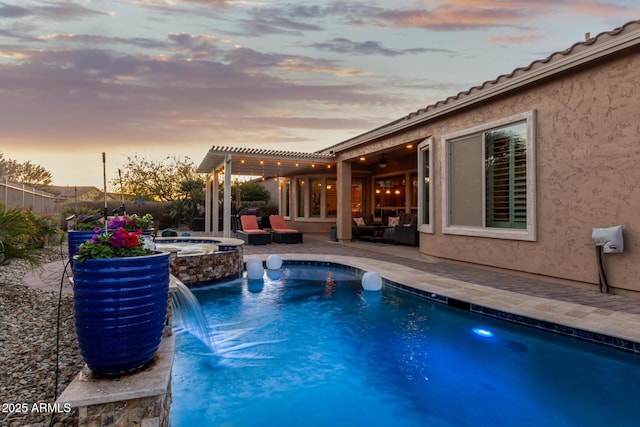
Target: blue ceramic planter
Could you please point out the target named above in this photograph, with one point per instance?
(77, 237)
(120, 307)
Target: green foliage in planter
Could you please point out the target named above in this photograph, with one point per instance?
(114, 244)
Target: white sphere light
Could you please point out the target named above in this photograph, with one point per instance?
(255, 271)
(371, 281)
(274, 274)
(254, 260)
(274, 262)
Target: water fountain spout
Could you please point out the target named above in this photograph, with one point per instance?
(188, 313)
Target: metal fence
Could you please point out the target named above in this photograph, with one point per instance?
(16, 195)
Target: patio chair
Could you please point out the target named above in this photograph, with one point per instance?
(406, 232)
(364, 227)
(251, 234)
(281, 233)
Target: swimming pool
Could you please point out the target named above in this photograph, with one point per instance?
(310, 348)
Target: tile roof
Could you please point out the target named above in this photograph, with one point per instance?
(606, 43)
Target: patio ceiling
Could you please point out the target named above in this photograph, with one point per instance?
(265, 163)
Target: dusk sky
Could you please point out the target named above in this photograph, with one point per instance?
(164, 78)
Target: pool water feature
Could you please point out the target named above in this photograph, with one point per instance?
(187, 314)
(313, 349)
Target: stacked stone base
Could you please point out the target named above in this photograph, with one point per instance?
(209, 268)
(144, 412)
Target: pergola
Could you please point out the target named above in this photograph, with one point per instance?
(238, 161)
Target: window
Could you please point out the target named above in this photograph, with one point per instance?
(425, 185)
(506, 177)
(286, 198)
(356, 198)
(489, 180)
(316, 198)
(332, 198)
(390, 192)
(300, 197)
(315, 186)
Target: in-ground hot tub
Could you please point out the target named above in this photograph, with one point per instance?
(203, 260)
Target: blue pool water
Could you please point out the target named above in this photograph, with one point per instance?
(311, 348)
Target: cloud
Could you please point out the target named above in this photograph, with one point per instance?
(516, 39)
(296, 19)
(58, 11)
(343, 45)
(474, 14)
(11, 11)
(271, 23)
(453, 18)
(172, 3)
(93, 40)
(153, 97)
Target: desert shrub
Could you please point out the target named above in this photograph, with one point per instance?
(17, 234)
(47, 231)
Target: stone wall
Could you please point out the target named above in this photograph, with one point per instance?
(144, 412)
(208, 267)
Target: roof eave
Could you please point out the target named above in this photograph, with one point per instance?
(605, 44)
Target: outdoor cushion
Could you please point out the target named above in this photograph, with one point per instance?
(281, 233)
(251, 233)
(250, 224)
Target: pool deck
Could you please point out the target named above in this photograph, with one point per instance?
(585, 309)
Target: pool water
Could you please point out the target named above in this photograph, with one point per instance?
(311, 348)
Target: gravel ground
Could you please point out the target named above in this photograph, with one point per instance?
(28, 320)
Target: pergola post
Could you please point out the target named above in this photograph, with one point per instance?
(207, 205)
(343, 221)
(226, 220)
(216, 197)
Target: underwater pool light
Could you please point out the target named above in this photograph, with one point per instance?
(483, 332)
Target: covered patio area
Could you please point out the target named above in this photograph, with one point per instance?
(230, 162)
(321, 190)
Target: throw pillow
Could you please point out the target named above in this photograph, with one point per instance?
(359, 221)
(393, 221)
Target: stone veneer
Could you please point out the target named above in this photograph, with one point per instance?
(144, 412)
(141, 399)
(207, 268)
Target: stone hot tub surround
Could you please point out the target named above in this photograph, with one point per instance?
(203, 260)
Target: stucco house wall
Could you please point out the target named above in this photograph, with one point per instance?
(587, 157)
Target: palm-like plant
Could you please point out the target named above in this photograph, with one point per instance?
(17, 232)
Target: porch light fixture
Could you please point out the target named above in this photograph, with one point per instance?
(383, 163)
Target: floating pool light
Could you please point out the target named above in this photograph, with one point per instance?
(481, 332)
(274, 262)
(255, 286)
(255, 271)
(254, 260)
(274, 274)
(371, 281)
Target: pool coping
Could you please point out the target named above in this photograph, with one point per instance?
(603, 326)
